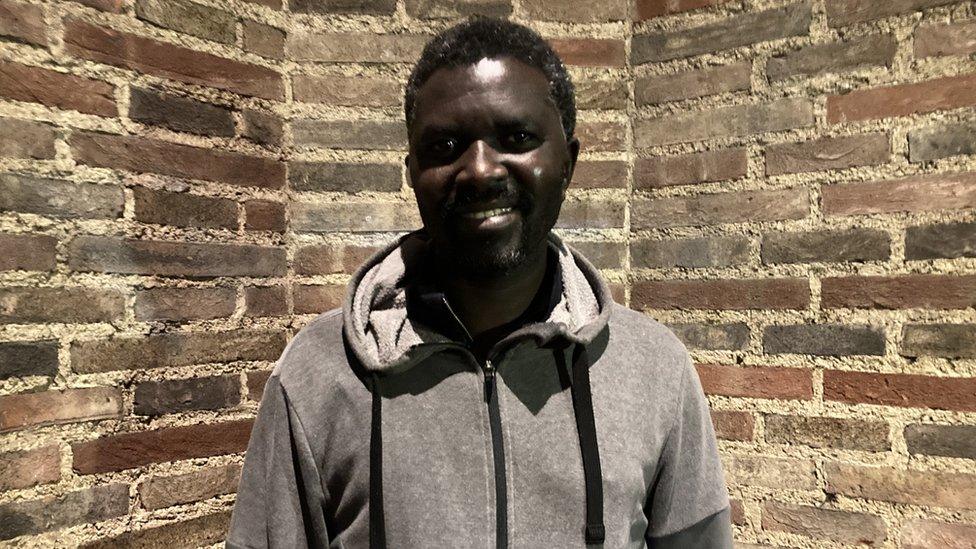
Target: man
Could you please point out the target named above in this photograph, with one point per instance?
(479, 387)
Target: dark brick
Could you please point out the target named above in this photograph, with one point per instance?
(590, 52)
(330, 259)
(452, 9)
(26, 139)
(202, 531)
(690, 252)
(601, 136)
(925, 488)
(826, 246)
(824, 524)
(366, 47)
(57, 198)
(79, 507)
(327, 217)
(951, 92)
(719, 122)
(712, 337)
(602, 254)
(756, 381)
(27, 468)
(948, 240)
(922, 193)
(159, 492)
(943, 340)
(372, 7)
(185, 303)
(317, 299)
(828, 432)
(575, 12)
(344, 177)
(23, 22)
(115, 255)
(25, 305)
(823, 340)
(264, 40)
(188, 18)
(26, 252)
(733, 425)
(828, 153)
(177, 113)
(373, 135)
(347, 91)
(910, 390)
(899, 292)
(738, 514)
(733, 294)
(731, 32)
(59, 406)
(264, 215)
(942, 440)
(941, 141)
(846, 12)
(56, 89)
(601, 94)
(110, 6)
(184, 209)
(690, 169)
(28, 358)
(262, 128)
(256, 381)
(875, 50)
(599, 214)
(956, 39)
(153, 398)
(662, 88)
(716, 209)
(648, 9)
(599, 174)
(265, 301)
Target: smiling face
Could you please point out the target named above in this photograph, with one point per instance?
(489, 164)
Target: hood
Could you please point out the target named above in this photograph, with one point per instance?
(385, 340)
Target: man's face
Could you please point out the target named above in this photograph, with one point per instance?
(489, 164)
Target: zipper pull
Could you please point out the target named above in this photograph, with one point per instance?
(489, 380)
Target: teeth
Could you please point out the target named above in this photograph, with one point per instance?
(487, 213)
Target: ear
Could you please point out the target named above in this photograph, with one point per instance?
(406, 162)
(573, 147)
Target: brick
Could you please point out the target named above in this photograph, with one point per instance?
(602, 254)
(728, 33)
(721, 122)
(602, 136)
(25, 252)
(262, 127)
(690, 252)
(154, 398)
(171, 350)
(179, 113)
(372, 135)
(23, 22)
(823, 524)
(601, 94)
(590, 52)
(756, 381)
(355, 47)
(899, 292)
(828, 432)
(202, 531)
(941, 240)
(317, 299)
(56, 89)
(871, 51)
(354, 217)
(737, 512)
(769, 293)
(925, 193)
(147, 56)
(347, 91)
(719, 208)
(942, 440)
(956, 39)
(184, 209)
(951, 92)
(128, 450)
(330, 259)
(53, 513)
(141, 154)
(690, 169)
(265, 301)
(599, 174)
(931, 488)
(712, 337)
(733, 425)
(188, 18)
(28, 358)
(907, 390)
(597, 214)
(943, 340)
(347, 177)
(823, 340)
(941, 142)
(181, 304)
(264, 215)
(828, 153)
(575, 12)
(273, 4)
(846, 12)
(56, 407)
(27, 468)
(826, 246)
(58, 198)
(116, 255)
(370, 7)
(25, 305)
(930, 534)
(454, 9)
(111, 6)
(256, 382)
(647, 9)
(159, 492)
(770, 472)
(264, 40)
(26, 139)
(661, 88)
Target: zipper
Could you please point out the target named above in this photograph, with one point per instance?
(498, 451)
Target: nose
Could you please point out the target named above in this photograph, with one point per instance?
(480, 165)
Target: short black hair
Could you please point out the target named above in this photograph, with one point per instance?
(479, 37)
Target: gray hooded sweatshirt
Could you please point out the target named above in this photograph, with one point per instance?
(376, 430)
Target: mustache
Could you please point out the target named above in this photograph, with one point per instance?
(503, 193)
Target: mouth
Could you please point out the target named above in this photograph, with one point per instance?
(487, 218)
(486, 214)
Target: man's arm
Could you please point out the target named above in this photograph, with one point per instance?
(688, 505)
(279, 499)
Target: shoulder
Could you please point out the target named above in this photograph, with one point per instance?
(641, 333)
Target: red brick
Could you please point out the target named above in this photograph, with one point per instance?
(184, 209)
(572, 11)
(930, 534)
(265, 301)
(54, 407)
(27, 468)
(52, 513)
(264, 40)
(733, 425)
(202, 531)
(899, 292)
(876, 50)
(647, 9)
(908, 390)
(957, 39)
(182, 304)
(128, 450)
(923, 193)
(153, 398)
(846, 12)
(723, 122)
(599, 214)
(25, 252)
(756, 381)
(116, 255)
(372, 135)
(601, 93)
(690, 169)
(26, 305)
(355, 47)
(590, 52)
(159, 492)
(58, 198)
(56, 89)
(828, 432)
(26, 139)
(189, 18)
(767, 293)
(347, 91)
(824, 524)
(180, 114)
(28, 358)
(602, 136)
(256, 382)
(141, 154)
(930, 488)
(951, 92)
(317, 299)
(828, 153)
(770, 472)
(327, 217)
(661, 88)
(23, 21)
(330, 259)
(148, 56)
(171, 350)
(719, 208)
(599, 174)
(264, 215)
(737, 512)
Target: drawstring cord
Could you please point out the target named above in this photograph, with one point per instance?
(377, 525)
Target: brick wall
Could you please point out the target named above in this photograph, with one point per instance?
(788, 184)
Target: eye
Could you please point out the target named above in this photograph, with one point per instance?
(443, 148)
(521, 140)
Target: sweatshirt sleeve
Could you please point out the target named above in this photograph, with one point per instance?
(280, 497)
(688, 505)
